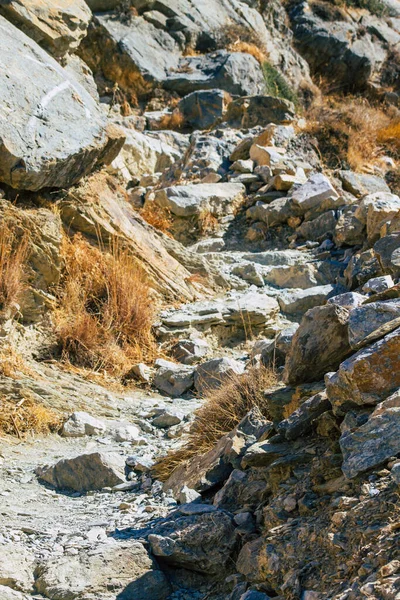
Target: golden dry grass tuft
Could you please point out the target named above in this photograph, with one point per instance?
(105, 314)
(157, 216)
(224, 408)
(238, 38)
(25, 417)
(174, 120)
(353, 133)
(13, 364)
(13, 257)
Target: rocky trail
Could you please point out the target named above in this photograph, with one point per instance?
(199, 300)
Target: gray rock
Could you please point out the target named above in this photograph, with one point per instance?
(375, 210)
(219, 199)
(263, 454)
(167, 418)
(235, 72)
(367, 377)
(387, 251)
(378, 284)
(214, 373)
(208, 245)
(202, 543)
(254, 595)
(349, 231)
(360, 184)
(38, 146)
(319, 344)
(80, 424)
(373, 320)
(187, 495)
(275, 213)
(6, 593)
(372, 444)
(111, 566)
(395, 473)
(241, 492)
(300, 421)
(191, 351)
(250, 272)
(16, 567)
(85, 472)
(299, 301)
(203, 108)
(348, 300)
(317, 229)
(57, 27)
(243, 166)
(296, 276)
(173, 379)
(318, 189)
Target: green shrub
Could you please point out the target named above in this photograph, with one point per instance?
(276, 84)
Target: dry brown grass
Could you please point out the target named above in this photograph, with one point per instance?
(105, 314)
(174, 120)
(353, 133)
(13, 256)
(157, 216)
(13, 364)
(223, 410)
(237, 38)
(26, 416)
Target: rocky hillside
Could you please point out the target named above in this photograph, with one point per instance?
(199, 300)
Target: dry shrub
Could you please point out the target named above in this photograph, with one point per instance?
(353, 133)
(238, 38)
(26, 417)
(13, 364)
(13, 256)
(157, 216)
(252, 49)
(224, 408)
(104, 320)
(174, 120)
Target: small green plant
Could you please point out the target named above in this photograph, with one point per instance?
(276, 84)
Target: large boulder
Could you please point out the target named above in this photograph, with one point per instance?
(367, 377)
(219, 199)
(201, 109)
(57, 26)
(319, 344)
(57, 132)
(85, 472)
(259, 110)
(214, 373)
(123, 567)
(311, 194)
(16, 567)
(173, 379)
(371, 321)
(201, 542)
(235, 72)
(376, 441)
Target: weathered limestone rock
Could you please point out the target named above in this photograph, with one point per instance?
(375, 210)
(112, 566)
(372, 444)
(214, 373)
(235, 72)
(85, 472)
(276, 212)
(6, 593)
(319, 344)
(58, 27)
(317, 229)
(299, 301)
(370, 321)
(186, 200)
(296, 276)
(173, 379)
(190, 351)
(318, 189)
(80, 424)
(200, 542)
(348, 300)
(38, 146)
(378, 284)
(367, 377)
(360, 184)
(16, 567)
(387, 251)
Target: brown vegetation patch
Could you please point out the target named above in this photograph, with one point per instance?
(174, 120)
(105, 314)
(353, 133)
(26, 416)
(13, 257)
(224, 408)
(238, 38)
(158, 217)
